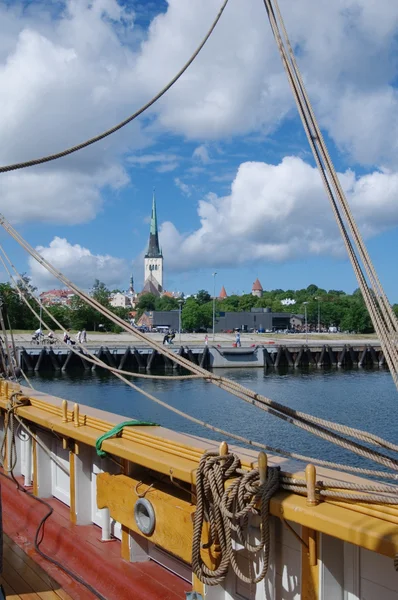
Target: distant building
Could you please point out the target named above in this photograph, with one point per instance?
(258, 319)
(160, 318)
(120, 300)
(296, 321)
(257, 289)
(222, 294)
(56, 297)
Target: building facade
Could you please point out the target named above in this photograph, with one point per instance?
(120, 300)
(56, 297)
(258, 319)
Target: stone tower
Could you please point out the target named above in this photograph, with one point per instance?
(153, 263)
(257, 289)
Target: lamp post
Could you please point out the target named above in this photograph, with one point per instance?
(319, 313)
(306, 323)
(214, 304)
(180, 301)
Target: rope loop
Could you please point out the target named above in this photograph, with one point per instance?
(8, 458)
(231, 512)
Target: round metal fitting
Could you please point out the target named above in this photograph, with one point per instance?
(144, 515)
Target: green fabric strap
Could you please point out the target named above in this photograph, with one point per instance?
(115, 431)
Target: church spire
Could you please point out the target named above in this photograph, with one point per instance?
(153, 246)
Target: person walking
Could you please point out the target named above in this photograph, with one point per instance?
(237, 339)
(206, 340)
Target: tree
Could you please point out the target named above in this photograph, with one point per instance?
(166, 303)
(202, 297)
(63, 316)
(100, 292)
(312, 289)
(191, 316)
(229, 304)
(247, 301)
(196, 316)
(11, 305)
(146, 302)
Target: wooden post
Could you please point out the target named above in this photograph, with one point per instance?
(262, 467)
(310, 477)
(76, 415)
(64, 411)
(223, 448)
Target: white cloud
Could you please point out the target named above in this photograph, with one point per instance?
(278, 213)
(79, 265)
(64, 78)
(184, 187)
(237, 84)
(147, 159)
(201, 154)
(59, 196)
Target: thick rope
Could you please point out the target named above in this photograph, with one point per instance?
(101, 136)
(229, 512)
(377, 304)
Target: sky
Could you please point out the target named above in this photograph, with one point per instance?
(236, 187)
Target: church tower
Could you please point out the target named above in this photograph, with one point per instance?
(153, 263)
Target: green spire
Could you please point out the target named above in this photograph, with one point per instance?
(154, 220)
(153, 246)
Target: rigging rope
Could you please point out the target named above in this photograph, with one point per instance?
(380, 311)
(95, 360)
(101, 136)
(357, 448)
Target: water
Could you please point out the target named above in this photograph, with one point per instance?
(365, 399)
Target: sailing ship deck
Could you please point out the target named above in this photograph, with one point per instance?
(79, 548)
(23, 577)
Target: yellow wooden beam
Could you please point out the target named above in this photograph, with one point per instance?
(372, 527)
(309, 565)
(72, 486)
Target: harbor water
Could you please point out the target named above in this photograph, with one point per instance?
(366, 399)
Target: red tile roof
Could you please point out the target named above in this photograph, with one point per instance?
(257, 287)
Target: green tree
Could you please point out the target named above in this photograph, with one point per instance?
(11, 305)
(229, 304)
(312, 289)
(166, 303)
(63, 316)
(202, 297)
(195, 316)
(247, 301)
(100, 292)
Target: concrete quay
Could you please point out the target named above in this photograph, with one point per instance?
(131, 354)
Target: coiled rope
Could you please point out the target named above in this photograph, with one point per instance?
(229, 497)
(229, 513)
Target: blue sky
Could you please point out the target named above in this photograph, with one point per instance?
(236, 187)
